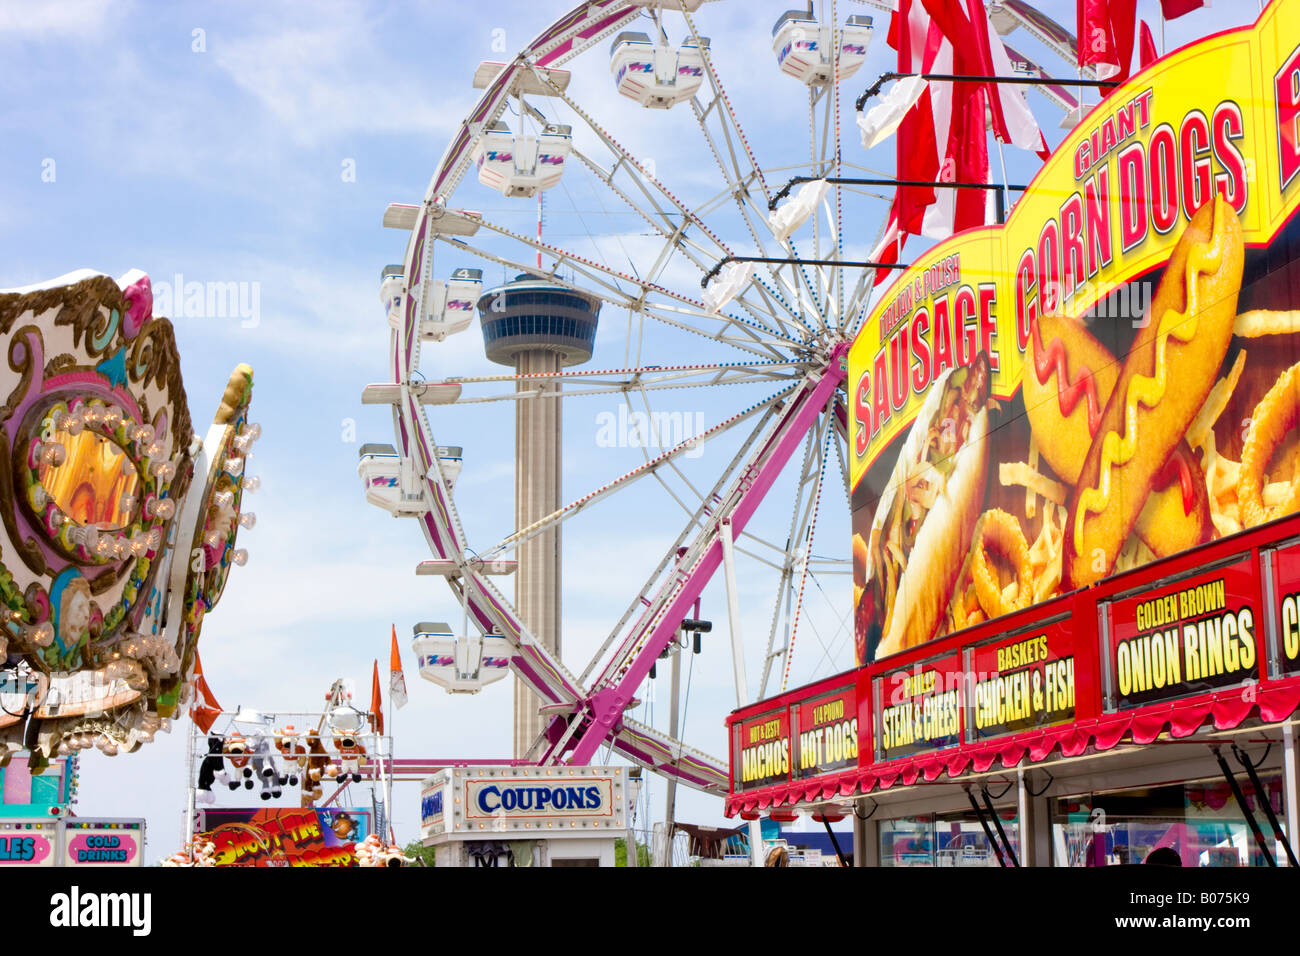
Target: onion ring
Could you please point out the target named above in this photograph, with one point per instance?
(1001, 531)
(1275, 415)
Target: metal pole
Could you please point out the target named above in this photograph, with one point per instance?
(1262, 795)
(1290, 780)
(1022, 819)
(670, 808)
(733, 613)
(1245, 810)
(189, 792)
(988, 833)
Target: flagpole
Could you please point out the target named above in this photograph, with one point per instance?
(388, 781)
(189, 790)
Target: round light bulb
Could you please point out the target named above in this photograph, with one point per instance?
(252, 483)
(112, 418)
(240, 557)
(247, 519)
(52, 453)
(234, 467)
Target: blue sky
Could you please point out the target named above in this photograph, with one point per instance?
(258, 143)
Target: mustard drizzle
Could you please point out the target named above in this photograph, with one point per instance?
(1204, 257)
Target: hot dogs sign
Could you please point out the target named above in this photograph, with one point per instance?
(1111, 377)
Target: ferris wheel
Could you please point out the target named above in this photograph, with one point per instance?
(738, 279)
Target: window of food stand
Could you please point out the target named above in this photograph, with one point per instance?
(1198, 819)
(942, 839)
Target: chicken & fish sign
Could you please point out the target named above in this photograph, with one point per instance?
(1107, 379)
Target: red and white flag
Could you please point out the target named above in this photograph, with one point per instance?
(396, 679)
(1106, 33)
(943, 138)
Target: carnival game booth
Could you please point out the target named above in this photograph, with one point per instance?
(1074, 493)
(525, 816)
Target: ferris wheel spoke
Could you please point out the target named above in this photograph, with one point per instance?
(524, 534)
(584, 389)
(725, 478)
(799, 519)
(610, 292)
(806, 550)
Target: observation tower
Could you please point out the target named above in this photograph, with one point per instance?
(537, 328)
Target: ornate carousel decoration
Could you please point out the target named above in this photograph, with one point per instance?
(120, 522)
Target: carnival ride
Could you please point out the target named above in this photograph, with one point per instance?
(776, 330)
(121, 521)
(246, 751)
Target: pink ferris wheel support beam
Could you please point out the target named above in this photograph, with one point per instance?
(606, 705)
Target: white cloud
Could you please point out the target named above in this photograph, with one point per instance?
(61, 18)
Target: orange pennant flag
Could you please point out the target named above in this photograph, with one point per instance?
(204, 709)
(376, 703)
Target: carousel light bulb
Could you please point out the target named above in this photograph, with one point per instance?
(64, 749)
(165, 725)
(163, 508)
(163, 470)
(121, 547)
(155, 539)
(39, 497)
(92, 414)
(252, 483)
(139, 544)
(144, 434)
(57, 518)
(253, 431)
(104, 547)
(52, 453)
(214, 537)
(240, 557)
(127, 503)
(224, 500)
(241, 443)
(57, 418)
(112, 418)
(234, 467)
(247, 519)
(153, 449)
(73, 422)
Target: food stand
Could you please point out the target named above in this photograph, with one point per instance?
(1077, 553)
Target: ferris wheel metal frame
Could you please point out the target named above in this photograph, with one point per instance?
(790, 322)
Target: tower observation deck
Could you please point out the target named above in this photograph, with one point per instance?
(537, 328)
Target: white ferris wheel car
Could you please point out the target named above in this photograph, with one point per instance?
(461, 665)
(522, 165)
(805, 48)
(392, 482)
(446, 306)
(654, 74)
